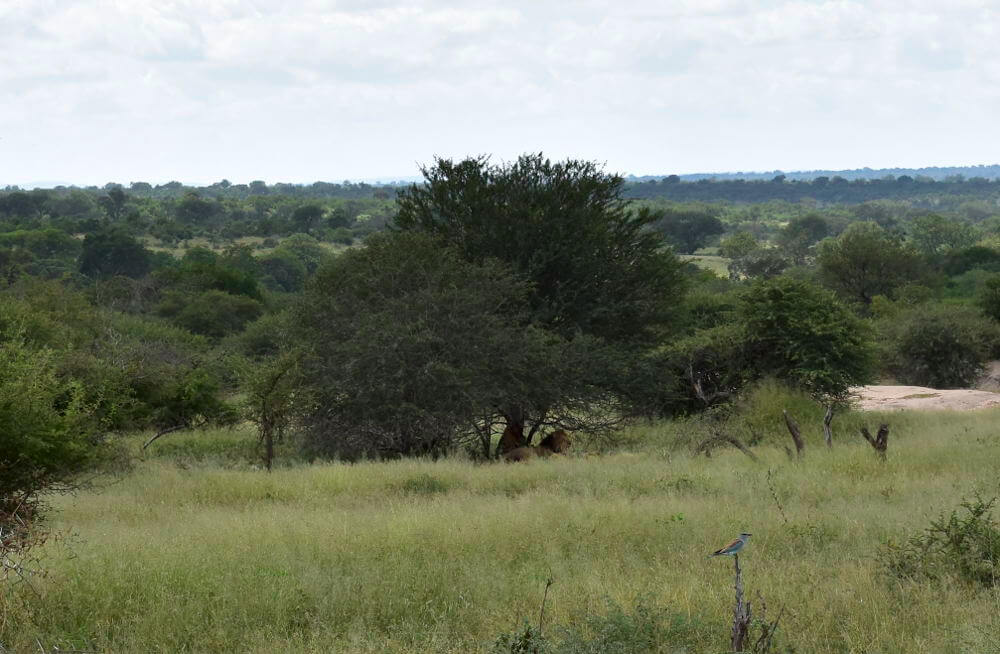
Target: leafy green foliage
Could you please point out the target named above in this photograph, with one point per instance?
(282, 270)
(48, 432)
(799, 332)
(977, 256)
(940, 346)
(406, 345)
(702, 369)
(210, 313)
(565, 227)
(47, 243)
(112, 251)
(988, 297)
(965, 544)
(762, 263)
(865, 261)
(800, 234)
(528, 640)
(688, 229)
(934, 234)
(737, 245)
(202, 269)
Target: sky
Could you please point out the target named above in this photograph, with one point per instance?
(97, 91)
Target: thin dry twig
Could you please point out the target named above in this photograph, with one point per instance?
(545, 596)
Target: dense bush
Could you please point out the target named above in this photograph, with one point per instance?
(210, 313)
(405, 346)
(48, 431)
(112, 251)
(866, 260)
(940, 346)
(988, 297)
(965, 544)
(799, 332)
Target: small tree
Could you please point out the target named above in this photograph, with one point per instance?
(738, 245)
(112, 251)
(306, 217)
(865, 261)
(800, 234)
(688, 229)
(799, 332)
(934, 234)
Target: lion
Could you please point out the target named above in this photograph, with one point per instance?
(557, 442)
(512, 439)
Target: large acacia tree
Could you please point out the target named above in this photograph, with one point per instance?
(600, 280)
(406, 347)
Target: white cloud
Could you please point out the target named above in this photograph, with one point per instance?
(92, 90)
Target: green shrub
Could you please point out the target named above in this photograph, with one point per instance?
(937, 345)
(965, 544)
(211, 313)
(757, 415)
(799, 332)
(988, 297)
(642, 630)
(526, 641)
(48, 432)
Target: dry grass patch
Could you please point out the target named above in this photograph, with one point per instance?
(422, 556)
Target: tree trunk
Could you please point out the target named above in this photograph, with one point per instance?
(793, 429)
(881, 440)
(827, 430)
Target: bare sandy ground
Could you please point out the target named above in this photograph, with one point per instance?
(887, 398)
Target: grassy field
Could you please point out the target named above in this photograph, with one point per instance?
(718, 265)
(195, 552)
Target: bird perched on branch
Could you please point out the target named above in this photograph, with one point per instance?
(733, 547)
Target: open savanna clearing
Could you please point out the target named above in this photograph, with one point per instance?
(194, 551)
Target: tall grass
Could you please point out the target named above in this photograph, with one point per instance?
(190, 553)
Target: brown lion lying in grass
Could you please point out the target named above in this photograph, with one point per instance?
(555, 443)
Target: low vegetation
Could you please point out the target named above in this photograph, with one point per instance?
(196, 550)
(278, 408)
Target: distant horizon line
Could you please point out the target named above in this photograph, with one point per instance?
(935, 172)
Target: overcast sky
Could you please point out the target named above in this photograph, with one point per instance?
(93, 91)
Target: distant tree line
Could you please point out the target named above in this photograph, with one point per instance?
(921, 191)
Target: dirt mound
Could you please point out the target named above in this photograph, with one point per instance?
(888, 398)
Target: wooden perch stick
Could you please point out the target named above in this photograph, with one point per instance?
(741, 611)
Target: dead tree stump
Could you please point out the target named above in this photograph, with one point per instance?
(793, 429)
(741, 611)
(881, 440)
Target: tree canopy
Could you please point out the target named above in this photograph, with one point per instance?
(866, 261)
(597, 276)
(566, 228)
